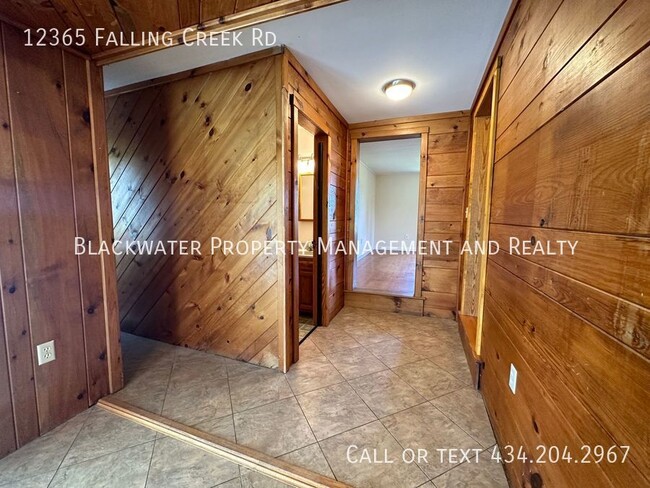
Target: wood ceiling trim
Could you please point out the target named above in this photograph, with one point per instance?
(238, 20)
(409, 120)
(192, 73)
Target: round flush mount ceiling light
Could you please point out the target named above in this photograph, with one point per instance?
(398, 89)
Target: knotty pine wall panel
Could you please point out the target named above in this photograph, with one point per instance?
(572, 162)
(195, 158)
(316, 104)
(443, 200)
(50, 182)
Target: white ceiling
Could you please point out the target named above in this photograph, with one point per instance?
(352, 48)
(394, 156)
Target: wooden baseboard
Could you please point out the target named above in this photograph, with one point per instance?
(385, 303)
(467, 330)
(244, 456)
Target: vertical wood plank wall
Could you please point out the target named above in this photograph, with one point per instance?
(443, 213)
(572, 162)
(195, 158)
(316, 105)
(50, 179)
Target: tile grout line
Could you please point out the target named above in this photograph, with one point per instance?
(169, 380)
(312, 433)
(429, 479)
(454, 422)
(232, 410)
(70, 447)
(153, 450)
(347, 381)
(95, 458)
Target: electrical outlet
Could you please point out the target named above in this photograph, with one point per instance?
(512, 382)
(45, 352)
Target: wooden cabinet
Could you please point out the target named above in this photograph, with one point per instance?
(306, 283)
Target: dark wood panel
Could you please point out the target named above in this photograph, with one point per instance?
(103, 193)
(147, 19)
(148, 15)
(44, 193)
(189, 12)
(212, 9)
(8, 441)
(86, 226)
(12, 273)
(50, 177)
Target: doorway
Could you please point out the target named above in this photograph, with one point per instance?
(309, 149)
(477, 216)
(388, 203)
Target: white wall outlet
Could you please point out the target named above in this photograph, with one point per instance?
(512, 382)
(45, 352)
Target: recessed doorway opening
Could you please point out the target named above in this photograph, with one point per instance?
(387, 201)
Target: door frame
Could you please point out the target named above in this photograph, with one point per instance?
(357, 136)
(485, 111)
(301, 115)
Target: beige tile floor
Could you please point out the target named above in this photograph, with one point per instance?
(98, 449)
(380, 381)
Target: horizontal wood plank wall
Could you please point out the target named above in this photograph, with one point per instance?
(49, 188)
(316, 105)
(196, 158)
(444, 197)
(572, 162)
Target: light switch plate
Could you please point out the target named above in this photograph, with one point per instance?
(45, 352)
(512, 382)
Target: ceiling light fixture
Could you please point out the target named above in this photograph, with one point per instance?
(398, 89)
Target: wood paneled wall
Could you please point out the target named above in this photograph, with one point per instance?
(444, 196)
(315, 105)
(195, 158)
(53, 187)
(207, 153)
(572, 162)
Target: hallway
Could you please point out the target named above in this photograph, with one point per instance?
(379, 381)
(392, 274)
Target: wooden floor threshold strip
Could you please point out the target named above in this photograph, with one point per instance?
(244, 456)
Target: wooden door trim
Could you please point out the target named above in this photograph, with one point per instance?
(490, 92)
(321, 181)
(301, 114)
(424, 157)
(378, 134)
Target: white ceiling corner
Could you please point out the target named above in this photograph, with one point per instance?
(352, 48)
